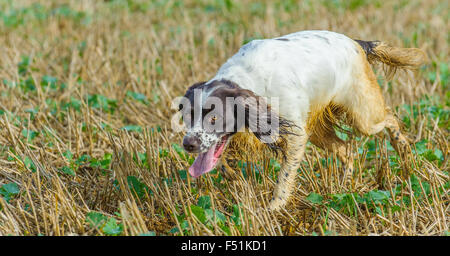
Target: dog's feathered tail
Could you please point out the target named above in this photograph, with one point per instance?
(394, 58)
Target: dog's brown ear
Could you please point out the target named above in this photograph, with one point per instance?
(259, 117)
(243, 108)
(262, 120)
(186, 103)
(189, 95)
(190, 91)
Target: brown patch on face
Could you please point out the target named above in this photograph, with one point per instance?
(190, 96)
(190, 91)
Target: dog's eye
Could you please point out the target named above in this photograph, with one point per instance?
(213, 119)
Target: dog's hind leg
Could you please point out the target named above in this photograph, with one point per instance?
(398, 140)
(396, 137)
(368, 111)
(295, 149)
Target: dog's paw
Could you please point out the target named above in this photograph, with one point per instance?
(228, 172)
(264, 210)
(275, 204)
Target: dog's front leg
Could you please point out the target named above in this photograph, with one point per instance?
(228, 168)
(286, 178)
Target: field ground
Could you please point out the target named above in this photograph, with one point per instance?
(86, 146)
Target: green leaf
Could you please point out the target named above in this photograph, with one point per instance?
(432, 155)
(421, 146)
(23, 65)
(95, 219)
(199, 213)
(141, 158)
(29, 134)
(68, 155)
(49, 81)
(7, 191)
(174, 230)
(396, 208)
(184, 224)
(275, 165)
(225, 229)
(102, 102)
(67, 170)
(209, 214)
(11, 188)
(132, 128)
(163, 152)
(314, 198)
(134, 185)
(33, 112)
(83, 159)
(106, 161)
(378, 210)
(112, 228)
(204, 202)
(377, 195)
(236, 216)
(183, 174)
(220, 217)
(138, 96)
(180, 151)
(73, 103)
(29, 164)
(137, 187)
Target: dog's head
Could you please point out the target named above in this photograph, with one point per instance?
(214, 112)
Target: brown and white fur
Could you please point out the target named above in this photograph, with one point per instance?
(319, 77)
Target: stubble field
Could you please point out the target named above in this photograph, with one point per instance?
(86, 145)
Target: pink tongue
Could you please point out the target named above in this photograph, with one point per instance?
(203, 163)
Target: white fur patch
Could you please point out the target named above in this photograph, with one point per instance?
(207, 139)
(303, 69)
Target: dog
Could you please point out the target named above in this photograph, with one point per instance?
(319, 79)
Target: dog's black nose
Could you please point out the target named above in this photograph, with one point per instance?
(191, 144)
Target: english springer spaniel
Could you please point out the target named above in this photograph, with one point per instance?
(317, 78)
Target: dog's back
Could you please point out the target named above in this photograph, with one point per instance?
(314, 67)
(308, 66)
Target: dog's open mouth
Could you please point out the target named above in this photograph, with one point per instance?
(206, 161)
